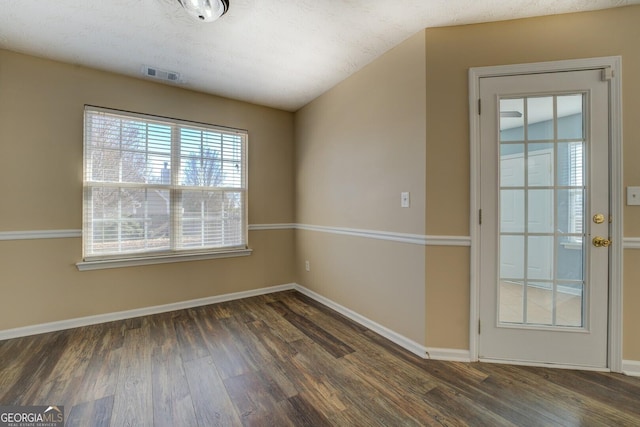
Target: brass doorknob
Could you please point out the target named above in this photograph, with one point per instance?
(601, 242)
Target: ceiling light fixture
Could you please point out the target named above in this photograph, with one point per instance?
(514, 114)
(205, 10)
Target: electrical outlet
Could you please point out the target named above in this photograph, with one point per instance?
(307, 266)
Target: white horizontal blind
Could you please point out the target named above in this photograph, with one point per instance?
(157, 186)
(576, 203)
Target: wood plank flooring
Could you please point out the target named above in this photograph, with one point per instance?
(285, 360)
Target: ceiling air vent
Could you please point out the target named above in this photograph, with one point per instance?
(157, 73)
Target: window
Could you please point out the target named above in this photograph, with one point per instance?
(157, 187)
(576, 202)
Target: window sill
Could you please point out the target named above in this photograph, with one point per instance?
(162, 259)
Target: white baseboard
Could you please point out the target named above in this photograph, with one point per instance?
(631, 368)
(401, 340)
(128, 314)
(448, 354)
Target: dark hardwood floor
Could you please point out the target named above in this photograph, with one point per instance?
(285, 360)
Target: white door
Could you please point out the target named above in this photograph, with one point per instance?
(544, 198)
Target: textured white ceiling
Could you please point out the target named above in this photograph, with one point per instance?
(276, 53)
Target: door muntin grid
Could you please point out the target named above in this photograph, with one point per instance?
(541, 211)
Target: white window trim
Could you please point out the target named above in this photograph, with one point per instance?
(163, 257)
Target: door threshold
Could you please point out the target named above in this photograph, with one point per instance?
(545, 365)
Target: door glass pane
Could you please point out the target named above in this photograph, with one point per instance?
(570, 211)
(540, 206)
(540, 165)
(542, 211)
(570, 258)
(540, 257)
(569, 304)
(512, 119)
(512, 257)
(512, 211)
(540, 120)
(512, 301)
(570, 163)
(570, 117)
(512, 165)
(540, 303)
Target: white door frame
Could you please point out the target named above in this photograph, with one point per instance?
(616, 195)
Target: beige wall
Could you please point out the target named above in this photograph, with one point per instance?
(344, 133)
(358, 147)
(400, 124)
(379, 280)
(450, 52)
(631, 318)
(41, 118)
(447, 297)
(361, 144)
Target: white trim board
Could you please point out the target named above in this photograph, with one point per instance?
(39, 234)
(616, 267)
(128, 314)
(545, 365)
(431, 353)
(631, 368)
(416, 239)
(427, 240)
(163, 259)
(631, 243)
(279, 226)
(448, 354)
(387, 333)
(77, 233)
(402, 341)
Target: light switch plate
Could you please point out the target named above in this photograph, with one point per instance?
(633, 196)
(404, 199)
